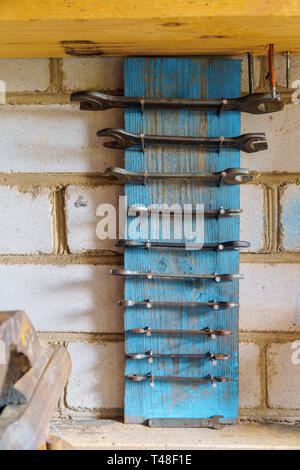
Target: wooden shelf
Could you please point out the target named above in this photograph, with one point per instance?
(59, 28)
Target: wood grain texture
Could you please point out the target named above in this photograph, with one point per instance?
(56, 28)
(186, 78)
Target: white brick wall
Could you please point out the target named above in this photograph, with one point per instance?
(249, 383)
(25, 74)
(282, 130)
(25, 222)
(97, 378)
(290, 218)
(284, 375)
(81, 206)
(69, 298)
(269, 297)
(55, 139)
(252, 219)
(93, 74)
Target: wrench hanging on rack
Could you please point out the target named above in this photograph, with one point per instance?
(143, 211)
(165, 378)
(220, 246)
(257, 103)
(208, 331)
(179, 277)
(248, 143)
(149, 355)
(148, 303)
(228, 176)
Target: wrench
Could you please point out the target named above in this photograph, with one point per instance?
(149, 304)
(143, 211)
(229, 176)
(182, 277)
(150, 355)
(163, 378)
(249, 143)
(256, 103)
(211, 423)
(208, 331)
(220, 246)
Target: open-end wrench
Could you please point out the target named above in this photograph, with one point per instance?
(210, 423)
(144, 211)
(149, 355)
(257, 103)
(180, 277)
(165, 378)
(220, 246)
(149, 304)
(228, 176)
(208, 331)
(249, 143)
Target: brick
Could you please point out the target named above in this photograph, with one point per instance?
(290, 218)
(283, 366)
(249, 376)
(25, 74)
(73, 298)
(81, 205)
(252, 219)
(55, 139)
(93, 74)
(282, 130)
(97, 378)
(26, 221)
(269, 296)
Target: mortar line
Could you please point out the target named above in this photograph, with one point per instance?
(260, 338)
(280, 229)
(111, 257)
(60, 238)
(263, 375)
(267, 385)
(55, 76)
(47, 179)
(267, 204)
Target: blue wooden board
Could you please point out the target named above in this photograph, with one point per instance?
(185, 78)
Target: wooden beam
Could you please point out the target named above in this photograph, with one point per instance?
(56, 28)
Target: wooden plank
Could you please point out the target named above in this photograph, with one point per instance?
(185, 78)
(55, 28)
(18, 343)
(25, 427)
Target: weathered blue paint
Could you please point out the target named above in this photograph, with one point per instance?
(186, 78)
